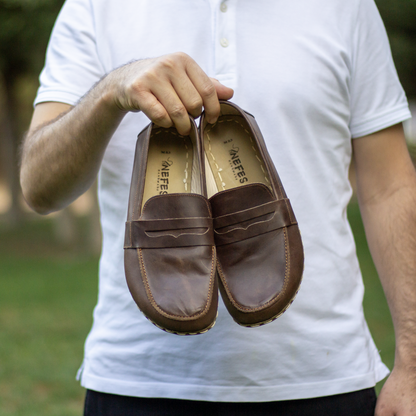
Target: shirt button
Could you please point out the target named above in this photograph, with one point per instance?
(223, 7)
(224, 42)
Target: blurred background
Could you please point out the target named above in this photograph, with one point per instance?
(49, 264)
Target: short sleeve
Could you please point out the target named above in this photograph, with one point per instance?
(72, 64)
(377, 97)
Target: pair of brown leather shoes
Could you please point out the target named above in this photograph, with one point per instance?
(179, 246)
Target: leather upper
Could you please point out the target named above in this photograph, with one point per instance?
(259, 248)
(170, 255)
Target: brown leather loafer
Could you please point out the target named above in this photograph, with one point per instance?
(170, 256)
(259, 248)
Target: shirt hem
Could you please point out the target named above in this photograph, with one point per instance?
(234, 393)
(65, 97)
(381, 121)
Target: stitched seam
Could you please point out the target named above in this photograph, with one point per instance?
(268, 158)
(185, 333)
(255, 152)
(156, 306)
(250, 136)
(176, 236)
(187, 158)
(212, 155)
(219, 234)
(185, 181)
(136, 197)
(248, 210)
(136, 193)
(287, 262)
(254, 126)
(237, 227)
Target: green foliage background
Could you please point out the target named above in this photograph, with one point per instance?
(25, 26)
(400, 19)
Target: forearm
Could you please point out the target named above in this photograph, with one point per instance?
(386, 187)
(60, 160)
(390, 223)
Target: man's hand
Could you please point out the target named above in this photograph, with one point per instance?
(398, 395)
(166, 89)
(64, 147)
(386, 186)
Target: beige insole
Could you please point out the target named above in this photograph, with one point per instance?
(233, 156)
(169, 164)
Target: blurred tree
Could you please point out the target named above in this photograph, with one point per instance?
(25, 26)
(400, 19)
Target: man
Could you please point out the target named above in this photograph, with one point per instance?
(319, 79)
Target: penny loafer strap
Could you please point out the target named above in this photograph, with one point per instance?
(251, 222)
(169, 233)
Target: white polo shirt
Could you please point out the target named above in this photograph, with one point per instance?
(314, 73)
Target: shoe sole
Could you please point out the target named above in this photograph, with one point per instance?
(202, 331)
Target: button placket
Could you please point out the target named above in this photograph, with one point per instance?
(225, 45)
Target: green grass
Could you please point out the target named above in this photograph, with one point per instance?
(47, 293)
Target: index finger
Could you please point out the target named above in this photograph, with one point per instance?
(206, 89)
